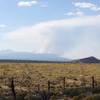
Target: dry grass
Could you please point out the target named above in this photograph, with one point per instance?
(29, 75)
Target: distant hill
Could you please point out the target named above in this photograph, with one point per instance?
(87, 60)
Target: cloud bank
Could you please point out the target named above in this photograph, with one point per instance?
(73, 38)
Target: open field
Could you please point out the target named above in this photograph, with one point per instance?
(29, 78)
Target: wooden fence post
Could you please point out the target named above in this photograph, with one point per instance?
(13, 88)
(64, 83)
(93, 82)
(49, 87)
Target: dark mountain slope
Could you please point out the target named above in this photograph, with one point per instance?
(87, 60)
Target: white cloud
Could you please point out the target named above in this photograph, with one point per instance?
(73, 37)
(27, 3)
(87, 5)
(2, 25)
(77, 13)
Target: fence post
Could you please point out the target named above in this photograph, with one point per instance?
(13, 88)
(93, 82)
(64, 83)
(49, 86)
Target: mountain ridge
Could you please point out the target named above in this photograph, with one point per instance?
(30, 56)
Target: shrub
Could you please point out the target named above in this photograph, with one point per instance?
(94, 97)
(80, 97)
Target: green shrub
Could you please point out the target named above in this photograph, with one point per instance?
(96, 90)
(74, 91)
(96, 97)
(93, 97)
(80, 97)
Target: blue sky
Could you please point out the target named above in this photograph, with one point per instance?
(70, 28)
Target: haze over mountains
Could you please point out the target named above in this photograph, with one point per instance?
(9, 55)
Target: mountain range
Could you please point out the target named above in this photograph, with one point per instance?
(11, 56)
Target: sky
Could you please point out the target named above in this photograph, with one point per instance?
(69, 28)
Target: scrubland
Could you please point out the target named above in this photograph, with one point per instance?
(67, 81)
